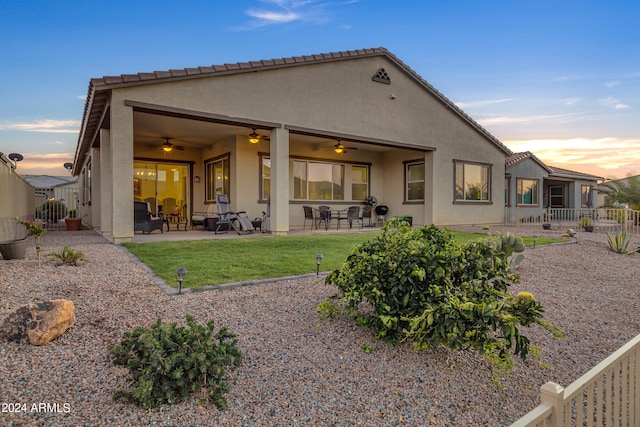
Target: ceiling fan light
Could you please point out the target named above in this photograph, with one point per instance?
(339, 150)
(254, 138)
(167, 146)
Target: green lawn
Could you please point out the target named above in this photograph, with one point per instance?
(217, 261)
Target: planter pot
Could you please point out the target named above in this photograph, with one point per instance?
(13, 249)
(73, 224)
(589, 228)
(546, 226)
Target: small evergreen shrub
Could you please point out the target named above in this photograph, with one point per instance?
(425, 287)
(167, 363)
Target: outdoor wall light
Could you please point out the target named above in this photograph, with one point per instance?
(318, 262)
(180, 273)
(196, 179)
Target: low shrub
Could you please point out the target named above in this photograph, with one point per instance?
(425, 287)
(618, 243)
(167, 363)
(67, 256)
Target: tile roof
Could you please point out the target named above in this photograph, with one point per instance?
(516, 158)
(97, 97)
(566, 173)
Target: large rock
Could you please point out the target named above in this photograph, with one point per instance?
(39, 323)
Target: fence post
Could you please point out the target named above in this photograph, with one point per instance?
(553, 394)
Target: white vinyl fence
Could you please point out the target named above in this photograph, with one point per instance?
(604, 220)
(607, 395)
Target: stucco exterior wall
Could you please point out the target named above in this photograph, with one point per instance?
(336, 97)
(19, 201)
(526, 169)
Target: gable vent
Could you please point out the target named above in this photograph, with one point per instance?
(381, 76)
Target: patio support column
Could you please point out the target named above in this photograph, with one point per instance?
(279, 147)
(121, 173)
(429, 185)
(104, 185)
(93, 211)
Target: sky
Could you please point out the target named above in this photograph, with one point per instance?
(558, 78)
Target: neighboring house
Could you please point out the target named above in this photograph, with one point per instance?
(51, 187)
(328, 129)
(531, 187)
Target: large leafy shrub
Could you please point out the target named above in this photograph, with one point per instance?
(51, 211)
(424, 286)
(168, 362)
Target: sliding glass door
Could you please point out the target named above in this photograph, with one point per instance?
(162, 185)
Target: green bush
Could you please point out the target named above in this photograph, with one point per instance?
(51, 211)
(424, 286)
(168, 362)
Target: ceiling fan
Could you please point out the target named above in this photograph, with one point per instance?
(254, 137)
(167, 146)
(340, 149)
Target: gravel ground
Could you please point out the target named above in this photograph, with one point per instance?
(298, 370)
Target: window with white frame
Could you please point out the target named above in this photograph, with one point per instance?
(473, 182)
(414, 178)
(216, 177)
(527, 192)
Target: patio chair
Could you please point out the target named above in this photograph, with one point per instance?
(143, 220)
(324, 216)
(266, 218)
(366, 214)
(239, 221)
(353, 214)
(199, 218)
(309, 215)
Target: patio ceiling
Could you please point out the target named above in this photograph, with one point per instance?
(152, 129)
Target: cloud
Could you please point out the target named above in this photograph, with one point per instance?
(50, 126)
(572, 101)
(606, 157)
(44, 164)
(483, 103)
(612, 102)
(275, 12)
(501, 120)
(612, 83)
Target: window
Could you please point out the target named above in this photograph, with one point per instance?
(586, 199)
(556, 196)
(472, 182)
(265, 174)
(216, 177)
(527, 192)
(507, 191)
(414, 176)
(314, 180)
(359, 182)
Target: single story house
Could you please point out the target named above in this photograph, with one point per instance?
(327, 129)
(531, 188)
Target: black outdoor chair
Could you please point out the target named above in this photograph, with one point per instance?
(309, 215)
(324, 215)
(366, 214)
(143, 220)
(353, 214)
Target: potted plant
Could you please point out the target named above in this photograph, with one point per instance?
(16, 249)
(586, 223)
(73, 223)
(546, 225)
